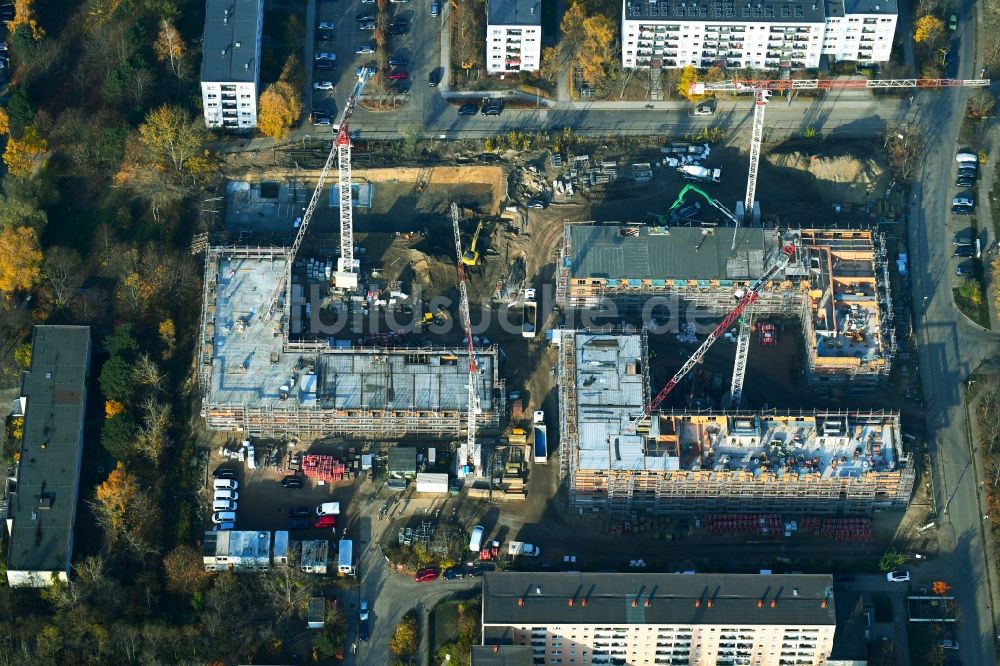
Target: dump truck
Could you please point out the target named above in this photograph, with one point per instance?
(530, 314)
(540, 438)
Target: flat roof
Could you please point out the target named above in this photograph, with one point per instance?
(660, 599)
(48, 477)
(839, 8)
(514, 12)
(623, 252)
(725, 11)
(249, 365)
(231, 44)
(502, 655)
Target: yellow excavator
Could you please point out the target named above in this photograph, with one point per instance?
(471, 256)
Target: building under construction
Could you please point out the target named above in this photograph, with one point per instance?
(258, 379)
(821, 462)
(837, 284)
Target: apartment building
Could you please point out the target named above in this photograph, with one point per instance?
(230, 62)
(762, 34)
(40, 507)
(513, 36)
(588, 619)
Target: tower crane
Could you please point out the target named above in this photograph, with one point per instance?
(341, 149)
(763, 88)
(469, 451)
(746, 299)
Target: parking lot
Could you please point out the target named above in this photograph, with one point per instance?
(414, 49)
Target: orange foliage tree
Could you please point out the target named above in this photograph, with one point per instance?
(21, 267)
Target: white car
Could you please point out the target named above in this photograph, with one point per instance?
(898, 576)
(220, 517)
(326, 25)
(325, 55)
(703, 110)
(364, 609)
(225, 484)
(231, 495)
(364, 48)
(323, 85)
(223, 505)
(948, 644)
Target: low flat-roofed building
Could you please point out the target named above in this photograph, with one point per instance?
(41, 510)
(639, 618)
(402, 461)
(836, 284)
(818, 461)
(315, 556)
(237, 551)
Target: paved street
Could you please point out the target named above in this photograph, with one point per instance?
(950, 349)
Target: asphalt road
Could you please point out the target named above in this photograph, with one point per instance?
(950, 349)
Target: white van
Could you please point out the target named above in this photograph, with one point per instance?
(225, 484)
(476, 540)
(967, 157)
(328, 509)
(223, 505)
(226, 495)
(221, 517)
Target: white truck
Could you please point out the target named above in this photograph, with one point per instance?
(530, 315)
(515, 548)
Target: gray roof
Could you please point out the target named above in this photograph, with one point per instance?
(685, 253)
(44, 507)
(229, 23)
(728, 11)
(402, 459)
(671, 598)
(502, 655)
(514, 12)
(839, 8)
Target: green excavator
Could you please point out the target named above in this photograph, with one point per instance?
(668, 217)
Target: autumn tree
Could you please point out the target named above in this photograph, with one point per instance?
(4, 121)
(127, 515)
(172, 137)
(928, 30)
(280, 106)
(184, 570)
(981, 105)
(23, 154)
(572, 29)
(62, 274)
(170, 49)
(21, 266)
(597, 50)
(24, 14)
(168, 337)
(19, 212)
(404, 640)
(689, 75)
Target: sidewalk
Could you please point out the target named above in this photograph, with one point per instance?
(978, 471)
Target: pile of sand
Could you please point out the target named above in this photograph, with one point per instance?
(840, 178)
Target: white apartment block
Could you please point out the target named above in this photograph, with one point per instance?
(513, 36)
(584, 619)
(230, 62)
(762, 34)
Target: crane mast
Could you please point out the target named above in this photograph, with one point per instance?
(747, 299)
(756, 139)
(346, 277)
(470, 442)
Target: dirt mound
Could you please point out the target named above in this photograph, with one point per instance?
(840, 177)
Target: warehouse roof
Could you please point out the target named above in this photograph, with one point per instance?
(683, 253)
(528, 598)
(231, 46)
(730, 11)
(44, 507)
(502, 655)
(514, 12)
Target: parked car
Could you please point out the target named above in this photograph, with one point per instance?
(898, 576)
(399, 75)
(325, 36)
(953, 22)
(948, 644)
(963, 204)
(704, 109)
(318, 121)
(325, 521)
(366, 25)
(292, 481)
(364, 16)
(428, 574)
(225, 527)
(323, 84)
(299, 512)
(399, 29)
(325, 55)
(224, 473)
(324, 65)
(454, 573)
(299, 523)
(492, 109)
(398, 61)
(364, 48)
(363, 633)
(434, 77)
(965, 251)
(220, 517)
(223, 505)
(536, 203)
(364, 609)
(221, 494)
(225, 484)
(468, 109)
(476, 538)
(964, 270)
(966, 177)
(326, 25)
(435, 9)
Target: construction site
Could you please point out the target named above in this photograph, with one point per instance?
(618, 455)
(836, 284)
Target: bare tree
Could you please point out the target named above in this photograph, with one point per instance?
(287, 589)
(62, 273)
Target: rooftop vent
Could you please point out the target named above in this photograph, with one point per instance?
(44, 502)
(538, 590)
(239, 44)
